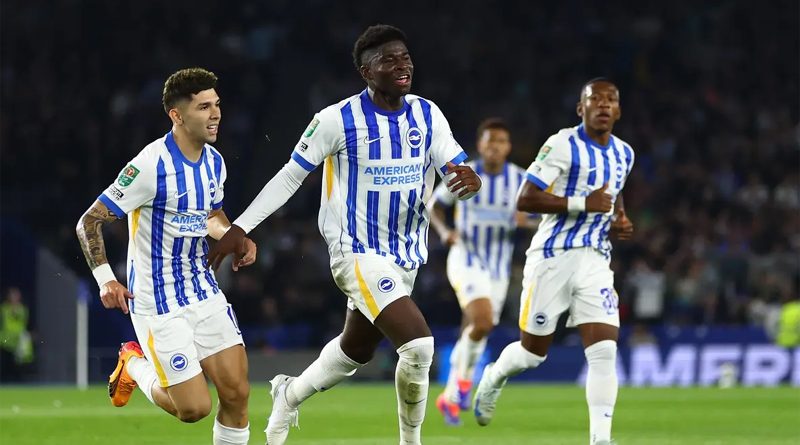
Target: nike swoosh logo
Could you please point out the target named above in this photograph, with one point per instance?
(179, 196)
(367, 140)
(608, 415)
(414, 403)
(591, 169)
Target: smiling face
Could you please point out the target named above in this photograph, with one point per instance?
(199, 118)
(388, 69)
(599, 106)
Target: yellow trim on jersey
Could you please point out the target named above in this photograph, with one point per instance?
(162, 377)
(329, 175)
(135, 223)
(371, 304)
(550, 189)
(526, 309)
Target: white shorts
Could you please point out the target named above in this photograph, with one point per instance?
(371, 282)
(472, 280)
(577, 280)
(177, 341)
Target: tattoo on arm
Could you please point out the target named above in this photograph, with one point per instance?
(90, 233)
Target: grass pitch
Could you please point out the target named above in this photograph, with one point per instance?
(365, 415)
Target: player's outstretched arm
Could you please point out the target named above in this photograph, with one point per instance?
(90, 234)
(533, 199)
(273, 196)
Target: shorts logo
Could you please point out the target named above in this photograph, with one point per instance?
(540, 319)
(414, 137)
(386, 284)
(178, 362)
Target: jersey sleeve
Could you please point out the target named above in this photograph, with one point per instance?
(554, 158)
(444, 147)
(133, 188)
(321, 138)
(219, 194)
(442, 195)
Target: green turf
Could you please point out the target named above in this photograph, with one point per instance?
(365, 414)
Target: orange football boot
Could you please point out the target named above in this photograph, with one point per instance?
(120, 383)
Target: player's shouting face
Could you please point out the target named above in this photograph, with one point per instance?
(200, 116)
(599, 106)
(388, 69)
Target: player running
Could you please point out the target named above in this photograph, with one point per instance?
(576, 182)
(481, 248)
(172, 193)
(379, 151)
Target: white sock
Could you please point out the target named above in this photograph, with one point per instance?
(228, 435)
(513, 360)
(601, 388)
(463, 359)
(411, 382)
(144, 375)
(451, 388)
(331, 367)
(472, 353)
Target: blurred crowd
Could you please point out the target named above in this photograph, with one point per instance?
(710, 104)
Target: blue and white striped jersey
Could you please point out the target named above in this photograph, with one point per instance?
(486, 222)
(167, 199)
(378, 174)
(571, 164)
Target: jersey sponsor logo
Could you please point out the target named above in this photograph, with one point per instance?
(543, 152)
(127, 175)
(115, 192)
(386, 284)
(178, 362)
(540, 319)
(414, 137)
(190, 223)
(302, 146)
(311, 128)
(395, 174)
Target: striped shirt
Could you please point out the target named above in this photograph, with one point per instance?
(167, 199)
(378, 174)
(571, 164)
(486, 223)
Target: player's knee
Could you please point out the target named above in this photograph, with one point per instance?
(194, 413)
(417, 353)
(358, 352)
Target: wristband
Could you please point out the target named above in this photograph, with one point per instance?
(576, 204)
(103, 274)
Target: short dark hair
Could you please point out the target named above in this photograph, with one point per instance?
(373, 37)
(595, 80)
(492, 123)
(182, 84)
